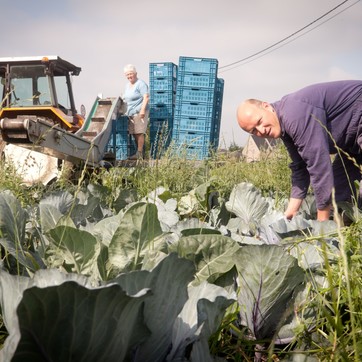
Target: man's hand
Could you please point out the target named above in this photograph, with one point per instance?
(293, 208)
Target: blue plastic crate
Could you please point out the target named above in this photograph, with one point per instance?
(121, 152)
(220, 83)
(118, 148)
(162, 84)
(157, 125)
(160, 136)
(192, 139)
(219, 92)
(215, 135)
(121, 139)
(194, 109)
(198, 65)
(162, 97)
(192, 94)
(121, 124)
(215, 143)
(167, 69)
(217, 124)
(193, 153)
(199, 153)
(118, 133)
(218, 110)
(159, 143)
(161, 111)
(193, 124)
(196, 80)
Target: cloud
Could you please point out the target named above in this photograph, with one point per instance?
(101, 37)
(337, 73)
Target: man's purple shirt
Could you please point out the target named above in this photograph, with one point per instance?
(311, 120)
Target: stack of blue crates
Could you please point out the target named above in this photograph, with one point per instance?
(194, 124)
(186, 101)
(163, 77)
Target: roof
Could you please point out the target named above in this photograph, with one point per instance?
(27, 59)
(60, 64)
(255, 145)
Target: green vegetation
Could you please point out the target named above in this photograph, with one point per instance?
(252, 286)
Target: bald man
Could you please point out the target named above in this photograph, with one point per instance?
(315, 122)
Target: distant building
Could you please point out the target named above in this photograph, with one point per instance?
(255, 146)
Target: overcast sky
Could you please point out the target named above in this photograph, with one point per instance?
(102, 36)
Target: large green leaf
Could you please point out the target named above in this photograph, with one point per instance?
(199, 318)
(248, 205)
(193, 226)
(88, 209)
(266, 232)
(168, 283)
(104, 269)
(205, 194)
(152, 258)
(124, 198)
(298, 225)
(61, 200)
(138, 228)
(77, 249)
(166, 207)
(73, 323)
(53, 208)
(211, 254)
(268, 278)
(199, 200)
(12, 218)
(13, 286)
(29, 259)
(312, 256)
(304, 317)
(49, 217)
(105, 229)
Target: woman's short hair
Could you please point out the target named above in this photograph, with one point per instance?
(129, 68)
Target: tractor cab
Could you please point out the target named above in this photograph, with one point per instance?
(39, 87)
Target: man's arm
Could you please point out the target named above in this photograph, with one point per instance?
(308, 139)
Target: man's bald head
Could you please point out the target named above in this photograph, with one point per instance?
(258, 118)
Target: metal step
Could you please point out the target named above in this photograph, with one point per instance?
(105, 101)
(89, 134)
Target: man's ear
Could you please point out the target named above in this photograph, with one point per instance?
(267, 106)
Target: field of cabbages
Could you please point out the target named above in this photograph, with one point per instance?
(176, 264)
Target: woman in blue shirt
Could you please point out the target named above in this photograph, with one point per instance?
(136, 96)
